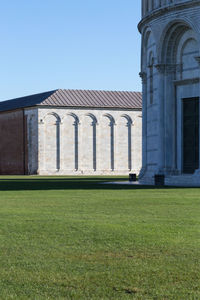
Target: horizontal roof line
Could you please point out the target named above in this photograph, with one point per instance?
(77, 98)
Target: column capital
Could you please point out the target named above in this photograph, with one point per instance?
(160, 68)
(143, 76)
(41, 121)
(198, 59)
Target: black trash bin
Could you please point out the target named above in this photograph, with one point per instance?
(132, 177)
(159, 180)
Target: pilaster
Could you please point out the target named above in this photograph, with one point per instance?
(161, 121)
(143, 76)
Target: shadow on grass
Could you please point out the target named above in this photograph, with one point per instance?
(69, 183)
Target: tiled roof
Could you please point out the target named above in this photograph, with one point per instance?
(77, 98)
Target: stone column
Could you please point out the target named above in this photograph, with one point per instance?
(129, 126)
(57, 124)
(94, 133)
(170, 120)
(80, 145)
(114, 147)
(112, 156)
(161, 123)
(143, 75)
(61, 146)
(76, 145)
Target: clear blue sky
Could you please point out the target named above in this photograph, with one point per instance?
(71, 44)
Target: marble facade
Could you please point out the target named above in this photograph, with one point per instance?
(64, 141)
(170, 72)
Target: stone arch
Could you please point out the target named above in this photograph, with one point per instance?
(92, 116)
(172, 90)
(128, 118)
(176, 36)
(52, 141)
(73, 115)
(171, 37)
(110, 117)
(57, 117)
(186, 56)
(145, 37)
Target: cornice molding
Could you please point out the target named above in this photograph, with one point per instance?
(166, 9)
(187, 81)
(168, 68)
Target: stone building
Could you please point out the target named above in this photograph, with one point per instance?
(170, 71)
(69, 132)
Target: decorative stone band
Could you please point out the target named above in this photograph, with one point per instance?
(151, 5)
(187, 81)
(168, 68)
(157, 11)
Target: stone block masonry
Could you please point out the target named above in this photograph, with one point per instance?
(13, 146)
(82, 141)
(170, 71)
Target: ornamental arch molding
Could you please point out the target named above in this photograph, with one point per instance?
(177, 67)
(57, 117)
(145, 37)
(94, 119)
(171, 37)
(73, 115)
(149, 44)
(110, 117)
(128, 118)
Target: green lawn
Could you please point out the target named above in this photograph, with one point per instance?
(73, 238)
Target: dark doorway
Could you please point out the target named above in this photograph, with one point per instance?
(190, 135)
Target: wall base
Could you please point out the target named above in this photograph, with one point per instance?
(86, 172)
(184, 180)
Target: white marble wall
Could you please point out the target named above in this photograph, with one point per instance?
(82, 141)
(172, 38)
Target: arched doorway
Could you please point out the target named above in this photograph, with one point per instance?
(180, 95)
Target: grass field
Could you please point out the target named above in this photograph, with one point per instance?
(72, 238)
